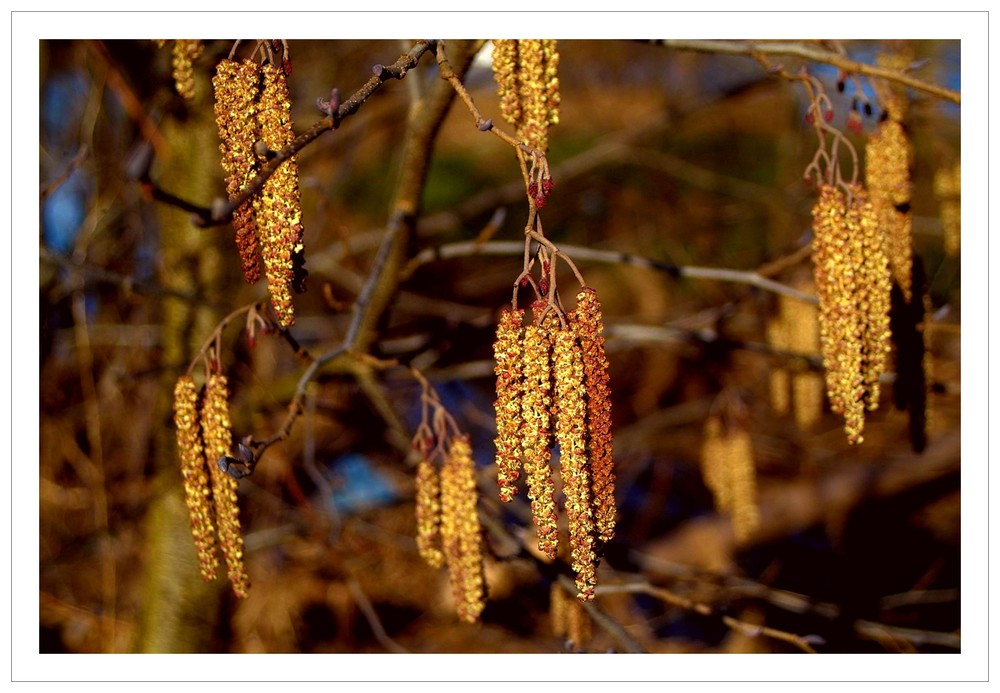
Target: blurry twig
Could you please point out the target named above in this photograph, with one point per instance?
(814, 54)
(516, 248)
(373, 620)
(73, 164)
(804, 643)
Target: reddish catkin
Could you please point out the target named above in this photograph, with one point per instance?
(278, 208)
(429, 514)
(197, 492)
(461, 532)
(218, 437)
(571, 434)
(536, 403)
(510, 381)
(588, 324)
(235, 85)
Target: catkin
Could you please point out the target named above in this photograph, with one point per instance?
(218, 438)
(508, 369)
(429, 514)
(526, 72)
(278, 209)
(948, 189)
(235, 85)
(460, 530)
(185, 52)
(837, 259)
(728, 469)
(197, 492)
(575, 469)
(887, 178)
(588, 324)
(536, 402)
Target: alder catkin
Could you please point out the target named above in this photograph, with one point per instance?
(510, 381)
(428, 512)
(235, 85)
(185, 52)
(526, 72)
(571, 435)
(218, 438)
(278, 209)
(729, 472)
(587, 323)
(197, 492)
(887, 178)
(461, 532)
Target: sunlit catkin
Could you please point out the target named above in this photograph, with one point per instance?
(948, 190)
(728, 469)
(235, 85)
(887, 178)
(536, 402)
(526, 72)
(429, 514)
(185, 52)
(508, 369)
(217, 432)
(197, 492)
(874, 285)
(571, 435)
(588, 324)
(837, 258)
(278, 209)
(460, 530)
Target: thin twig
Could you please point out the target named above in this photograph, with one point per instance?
(750, 629)
(513, 248)
(814, 54)
(373, 620)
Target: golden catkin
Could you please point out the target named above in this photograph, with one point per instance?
(795, 329)
(948, 190)
(428, 513)
(728, 469)
(874, 294)
(526, 72)
(185, 52)
(536, 402)
(571, 435)
(578, 626)
(507, 351)
(460, 530)
(278, 208)
(837, 259)
(559, 604)
(779, 379)
(505, 74)
(197, 492)
(887, 178)
(218, 438)
(235, 86)
(588, 324)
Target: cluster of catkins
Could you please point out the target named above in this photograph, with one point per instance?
(727, 465)
(528, 86)
(204, 435)
(251, 107)
(853, 283)
(448, 529)
(554, 379)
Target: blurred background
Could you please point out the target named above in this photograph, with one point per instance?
(679, 157)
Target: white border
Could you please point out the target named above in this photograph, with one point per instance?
(972, 29)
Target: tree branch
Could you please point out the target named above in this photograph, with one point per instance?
(814, 54)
